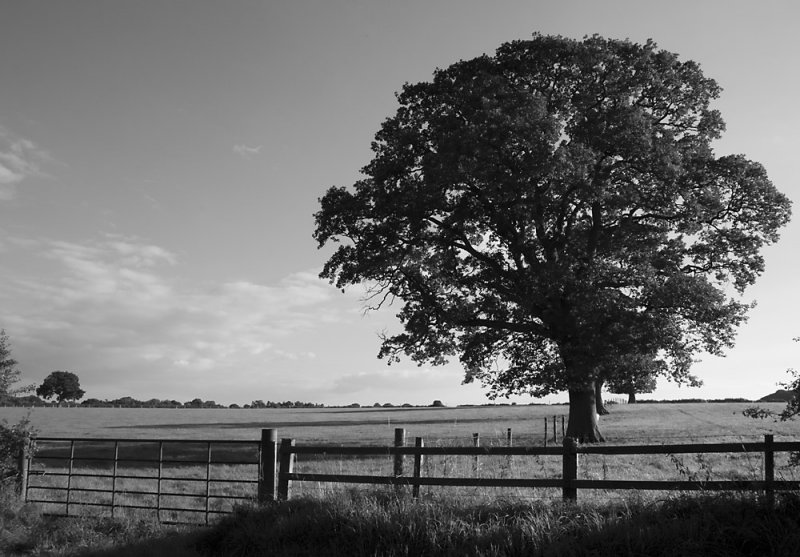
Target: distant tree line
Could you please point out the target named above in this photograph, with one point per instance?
(130, 402)
(286, 404)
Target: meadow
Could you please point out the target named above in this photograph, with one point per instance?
(499, 518)
(638, 423)
(644, 423)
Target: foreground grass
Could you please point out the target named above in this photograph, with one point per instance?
(367, 526)
(25, 531)
(377, 524)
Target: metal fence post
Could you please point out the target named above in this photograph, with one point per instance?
(570, 469)
(114, 478)
(267, 465)
(286, 458)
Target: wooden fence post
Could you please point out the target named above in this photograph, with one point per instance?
(570, 469)
(23, 465)
(286, 458)
(555, 431)
(418, 460)
(563, 430)
(509, 443)
(545, 432)
(399, 441)
(769, 470)
(476, 442)
(267, 465)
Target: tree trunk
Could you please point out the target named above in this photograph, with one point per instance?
(632, 397)
(598, 398)
(583, 415)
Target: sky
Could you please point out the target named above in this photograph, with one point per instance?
(161, 162)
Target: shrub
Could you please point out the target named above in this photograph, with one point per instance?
(12, 440)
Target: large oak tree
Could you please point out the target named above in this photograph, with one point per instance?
(544, 211)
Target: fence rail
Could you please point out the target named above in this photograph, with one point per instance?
(178, 480)
(568, 483)
(158, 474)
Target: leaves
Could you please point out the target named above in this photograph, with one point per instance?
(9, 372)
(543, 212)
(63, 385)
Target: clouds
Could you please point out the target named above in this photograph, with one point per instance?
(116, 311)
(119, 312)
(246, 151)
(19, 159)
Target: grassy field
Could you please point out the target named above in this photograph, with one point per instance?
(627, 424)
(639, 423)
(445, 521)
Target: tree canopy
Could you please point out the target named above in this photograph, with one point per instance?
(9, 372)
(633, 374)
(63, 385)
(544, 211)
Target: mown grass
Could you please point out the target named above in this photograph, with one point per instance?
(634, 423)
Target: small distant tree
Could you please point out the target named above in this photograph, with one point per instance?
(789, 413)
(63, 385)
(634, 374)
(792, 406)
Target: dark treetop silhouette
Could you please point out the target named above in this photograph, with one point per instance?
(63, 385)
(545, 211)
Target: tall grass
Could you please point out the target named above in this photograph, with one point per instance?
(328, 519)
(368, 525)
(24, 530)
(381, 522)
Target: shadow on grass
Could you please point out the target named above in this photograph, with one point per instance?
(25, 531)
(366, 526)
(354, 525)
(170, 545)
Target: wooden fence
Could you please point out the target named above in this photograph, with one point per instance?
(278, 471)
(267, 471)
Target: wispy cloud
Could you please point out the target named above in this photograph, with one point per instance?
(246, 152)
(117, 308)
(19, 159)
